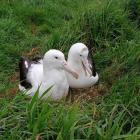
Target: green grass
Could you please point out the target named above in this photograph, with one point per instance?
(112, 26)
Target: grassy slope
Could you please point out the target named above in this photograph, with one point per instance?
(26, 25)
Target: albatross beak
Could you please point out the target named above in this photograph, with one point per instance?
(68, 69)
(86, 66)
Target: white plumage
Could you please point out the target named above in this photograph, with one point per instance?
(79, 62)
(49, 72)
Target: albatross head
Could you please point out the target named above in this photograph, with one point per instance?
(55, 59)
(78, 54)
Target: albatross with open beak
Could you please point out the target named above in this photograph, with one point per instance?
(49, 71)
(79, 61)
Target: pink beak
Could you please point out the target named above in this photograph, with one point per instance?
(86, 66)
(68, 69)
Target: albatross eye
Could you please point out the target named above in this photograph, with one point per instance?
(80, 54)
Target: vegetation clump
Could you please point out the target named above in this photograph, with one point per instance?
(107, 111)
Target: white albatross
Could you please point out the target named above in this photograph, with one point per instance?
(47, 72)
(81, 63)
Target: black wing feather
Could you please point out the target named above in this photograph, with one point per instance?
(23, 72)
